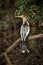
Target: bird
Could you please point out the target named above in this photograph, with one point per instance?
(24, 32)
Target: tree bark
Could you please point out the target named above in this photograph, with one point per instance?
(7, 59)
(12, 20)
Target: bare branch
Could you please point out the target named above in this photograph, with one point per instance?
(7, 59)
(19, 40)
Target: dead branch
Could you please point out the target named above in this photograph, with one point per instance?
(35, 37)
(7, 59)
(19, 40)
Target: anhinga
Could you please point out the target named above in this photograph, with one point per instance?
(24, 32)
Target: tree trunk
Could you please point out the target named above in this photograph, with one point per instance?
(12, 20)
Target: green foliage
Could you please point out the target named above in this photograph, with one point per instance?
(33, 11)
(22, 5)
